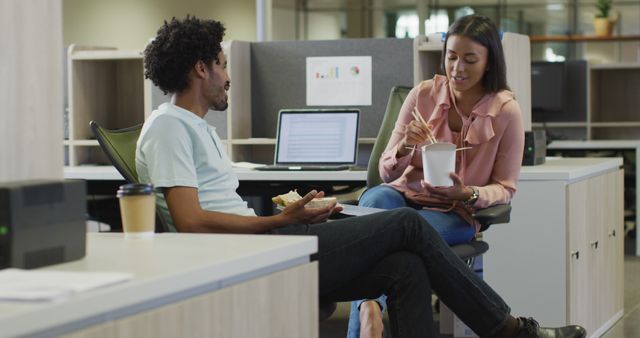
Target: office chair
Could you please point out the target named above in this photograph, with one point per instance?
(492, 215)
(120, 147)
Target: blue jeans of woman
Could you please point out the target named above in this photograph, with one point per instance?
(453, 229)
(399, 254)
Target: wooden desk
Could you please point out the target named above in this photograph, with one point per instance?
(560, 258)
(184, 285)
(560, 147)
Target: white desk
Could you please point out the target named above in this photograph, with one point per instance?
(610, 145)
(106, 173)
(104, 180)
(563, 207)
(184, 285)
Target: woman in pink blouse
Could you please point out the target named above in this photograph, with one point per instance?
(471, 107)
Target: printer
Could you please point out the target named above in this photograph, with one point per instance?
(42, 223)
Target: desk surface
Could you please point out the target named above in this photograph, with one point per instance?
(595, 144)
(571, 169)
(553, 169)
(168, 267)
(100, 173)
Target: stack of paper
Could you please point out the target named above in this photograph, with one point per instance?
(356, 210)
(38, 285)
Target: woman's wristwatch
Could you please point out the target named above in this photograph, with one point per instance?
(473, 197)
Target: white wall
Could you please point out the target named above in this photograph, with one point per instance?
(324, 26)
(129, 24)
(283, 24)
(31, 89)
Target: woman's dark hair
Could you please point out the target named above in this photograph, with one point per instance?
(180, 44)
(481, 30)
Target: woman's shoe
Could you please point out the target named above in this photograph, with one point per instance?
(529, 328)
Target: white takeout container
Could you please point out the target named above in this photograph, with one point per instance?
(438, 160)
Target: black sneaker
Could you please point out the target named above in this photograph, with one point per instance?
(529, 328)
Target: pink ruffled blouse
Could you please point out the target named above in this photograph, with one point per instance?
(493, 129)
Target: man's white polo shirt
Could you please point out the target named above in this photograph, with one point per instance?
(178, 148)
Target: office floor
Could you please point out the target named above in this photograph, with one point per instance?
(627, 327)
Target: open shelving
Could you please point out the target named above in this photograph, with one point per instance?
(108, 85)
(612, 106)
(582, 38)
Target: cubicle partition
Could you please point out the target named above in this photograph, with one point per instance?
(278, 75)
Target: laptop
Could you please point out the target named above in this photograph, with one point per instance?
(316, 139)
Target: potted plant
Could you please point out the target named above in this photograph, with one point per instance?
(602, 23)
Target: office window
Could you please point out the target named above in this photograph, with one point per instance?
(407, 25)
(437, 22)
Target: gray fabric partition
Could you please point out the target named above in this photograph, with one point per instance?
(278, 77)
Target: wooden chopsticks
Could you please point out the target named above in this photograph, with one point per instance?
(419, 118)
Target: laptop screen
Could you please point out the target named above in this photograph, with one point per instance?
(317, 136)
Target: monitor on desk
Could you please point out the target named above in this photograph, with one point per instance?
(559, 91)
(547, 89)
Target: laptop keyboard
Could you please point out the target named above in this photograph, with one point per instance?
(304, 167)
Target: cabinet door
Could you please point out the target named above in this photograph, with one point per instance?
(612, 249)
(595, 250)
(578, 256)
(599, 197)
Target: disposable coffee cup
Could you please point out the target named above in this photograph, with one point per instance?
(137, 209)
(438, 161)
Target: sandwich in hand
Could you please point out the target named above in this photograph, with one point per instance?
(292, 196)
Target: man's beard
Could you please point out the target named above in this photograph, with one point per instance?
(220, 106)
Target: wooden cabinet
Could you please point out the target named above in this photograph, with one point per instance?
(223, 313)
(560, 259)
(595, 250)
(182, 285)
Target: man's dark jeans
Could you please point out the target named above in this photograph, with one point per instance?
(399, 254)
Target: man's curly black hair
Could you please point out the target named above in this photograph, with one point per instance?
(180, 44)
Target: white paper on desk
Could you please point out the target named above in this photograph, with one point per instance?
(247, 165)
(355, 210)
(339, 81)
(40, 285)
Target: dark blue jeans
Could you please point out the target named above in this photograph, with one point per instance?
(450, 226)
(399, 254)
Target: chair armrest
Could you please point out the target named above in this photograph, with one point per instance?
(495, 214)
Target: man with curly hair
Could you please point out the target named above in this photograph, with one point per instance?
(393, 252)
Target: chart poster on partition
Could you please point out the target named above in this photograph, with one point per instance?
(339, 81)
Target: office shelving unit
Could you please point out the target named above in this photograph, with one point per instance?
(582, 38)
(612, 105)
(108, 85)
(614, 101)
